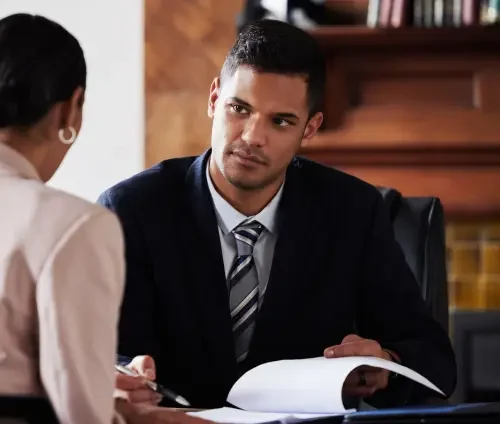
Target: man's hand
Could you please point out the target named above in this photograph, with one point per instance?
(363, 381)
(133, 389)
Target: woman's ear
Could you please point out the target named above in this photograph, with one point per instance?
(312, 128)
(71, 110)
(63, 115)
(213, 96)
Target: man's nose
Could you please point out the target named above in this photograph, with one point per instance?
(255, 131)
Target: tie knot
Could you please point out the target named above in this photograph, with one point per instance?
(248, 233)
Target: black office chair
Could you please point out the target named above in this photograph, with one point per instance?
(476, 339)
(26, 410)
(419, 229)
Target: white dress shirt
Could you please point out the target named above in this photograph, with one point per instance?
(228, 218)
(62, 276)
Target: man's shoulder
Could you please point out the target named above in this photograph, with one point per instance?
(326, 180)
(164, 177)
(329, 192)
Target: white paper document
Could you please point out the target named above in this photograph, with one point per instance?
(297, 390)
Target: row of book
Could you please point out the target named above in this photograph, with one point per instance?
(432, 13)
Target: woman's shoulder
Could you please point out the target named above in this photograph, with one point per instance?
(68, 206)
(54, 219)
(61, 213)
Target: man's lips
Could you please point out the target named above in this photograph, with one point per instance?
(246, 157)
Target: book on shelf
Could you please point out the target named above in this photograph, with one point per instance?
(432, 13)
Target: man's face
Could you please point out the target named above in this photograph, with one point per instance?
(259, 122)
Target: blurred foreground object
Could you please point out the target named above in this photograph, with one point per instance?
(305, 14)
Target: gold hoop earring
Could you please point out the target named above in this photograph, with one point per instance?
(67, 140)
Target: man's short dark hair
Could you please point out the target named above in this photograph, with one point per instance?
(277, 47)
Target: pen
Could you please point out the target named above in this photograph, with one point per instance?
(158, 388)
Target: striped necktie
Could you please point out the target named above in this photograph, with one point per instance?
(244, 287)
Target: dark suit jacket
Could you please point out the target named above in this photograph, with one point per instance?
(337, 269)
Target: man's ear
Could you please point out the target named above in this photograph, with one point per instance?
(214, 95)
(312, 128)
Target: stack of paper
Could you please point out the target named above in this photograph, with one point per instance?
(297, 390)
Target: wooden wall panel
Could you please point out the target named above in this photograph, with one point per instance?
(417, 110)
(465, 192)
(185, 44)
(386, 97)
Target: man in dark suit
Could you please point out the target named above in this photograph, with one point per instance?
(248, 254)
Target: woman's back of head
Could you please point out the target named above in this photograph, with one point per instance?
(42, 84)
(41, 64)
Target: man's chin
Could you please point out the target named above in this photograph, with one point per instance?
(246, 184)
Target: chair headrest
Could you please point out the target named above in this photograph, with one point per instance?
(392, 199)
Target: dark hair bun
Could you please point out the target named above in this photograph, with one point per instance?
(8, 104)
(20, 105)
(41, 64)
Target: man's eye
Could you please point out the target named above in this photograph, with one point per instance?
(281, 122)
(238, 109)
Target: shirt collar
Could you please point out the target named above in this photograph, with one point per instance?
(16, 164)
(229, 218)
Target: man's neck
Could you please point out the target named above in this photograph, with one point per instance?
(247, 202)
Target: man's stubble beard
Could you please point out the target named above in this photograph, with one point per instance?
(253, 186)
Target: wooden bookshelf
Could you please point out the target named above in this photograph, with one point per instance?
(363, 37)
(416, 109)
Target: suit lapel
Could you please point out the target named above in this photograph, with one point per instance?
(207, 276)
(299, 247)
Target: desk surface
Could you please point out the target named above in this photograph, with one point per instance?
(476, 413)
(465, 413)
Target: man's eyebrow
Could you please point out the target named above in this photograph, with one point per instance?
(241, 102)
(285, 115)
